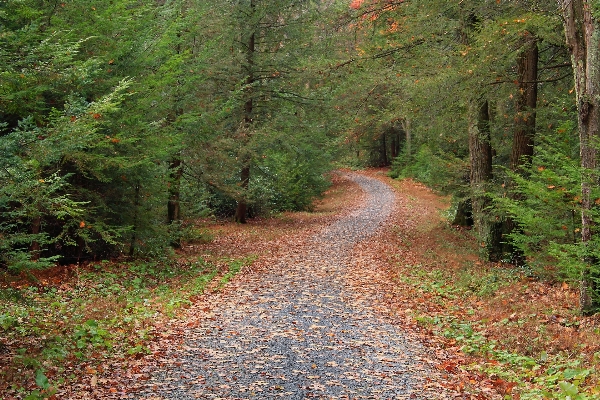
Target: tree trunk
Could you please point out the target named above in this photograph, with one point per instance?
(175, 174)
(523, 140)
(242, 205)
(394, 145)
(173, 206)
(407, 142)
(384, 157)
(582, 31)
(35, 248)
(242, 202)
(480, 151)
(525, 120)
(136, 204)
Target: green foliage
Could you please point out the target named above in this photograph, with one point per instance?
(289, 176)
(42, 382)
(546, 206)
(49, 182)
(87, 149)
(90, 334)
(444, 172)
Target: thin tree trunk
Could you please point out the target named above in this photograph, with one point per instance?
(480, 151)
(175, 174)
(384, 156)
(174, 205)
(394, 145)
(36, 228)
(136, 204)
(242, 205)
(407, 142)
(242, 202)
(582, 31)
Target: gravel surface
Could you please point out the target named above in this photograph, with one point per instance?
(295, 332)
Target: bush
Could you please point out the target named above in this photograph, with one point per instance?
(288, 181)
(443, 172)
(546, 206)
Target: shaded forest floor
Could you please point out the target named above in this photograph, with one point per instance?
(491, 329)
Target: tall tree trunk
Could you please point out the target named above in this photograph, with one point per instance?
(395, 144)
(173, 206)
(582, 31)
(242, 205)
(407, 141)
(525, 120)
(480, 151)
(35, 248)
(175, 173)
(250, 43)
(136, 205)
(384, 157)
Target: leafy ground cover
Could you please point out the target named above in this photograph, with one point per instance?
(68, 326)
(494, 331)
(68, 320)
(500, 328)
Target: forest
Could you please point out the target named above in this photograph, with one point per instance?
(124, 122)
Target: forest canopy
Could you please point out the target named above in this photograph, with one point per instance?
(122, 122)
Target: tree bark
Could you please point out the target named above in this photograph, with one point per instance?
(525, 119)
(136, 205)
(384, 156)
(250, 43)
(35, 248)
(480, 152)
(395, 144)
(242, 205)
(582, 32)
(175, 174)
(173, 206)
(525, 127)
(407, 141)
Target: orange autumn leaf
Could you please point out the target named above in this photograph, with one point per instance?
(356, 4)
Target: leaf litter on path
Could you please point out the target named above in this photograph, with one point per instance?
(304, 323)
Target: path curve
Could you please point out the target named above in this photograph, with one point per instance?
(294, 333)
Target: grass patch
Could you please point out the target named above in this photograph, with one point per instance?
(234, 268)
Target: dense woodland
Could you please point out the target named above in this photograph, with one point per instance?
(122, 121)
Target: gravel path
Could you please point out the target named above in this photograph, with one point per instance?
(295, 332)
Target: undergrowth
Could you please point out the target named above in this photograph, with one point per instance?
(104, 310)
(527, 370)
